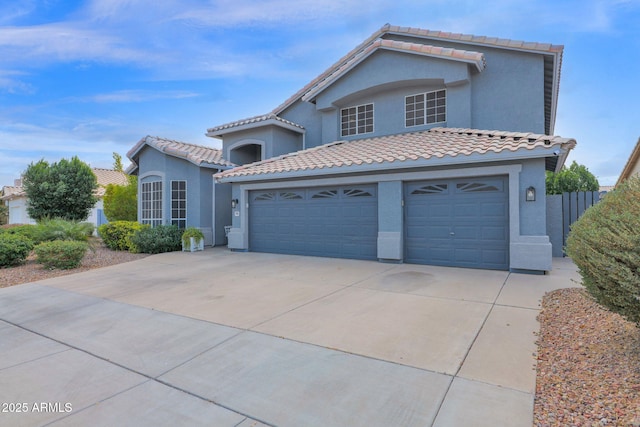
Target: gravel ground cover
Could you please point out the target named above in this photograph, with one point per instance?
(31, 271)
(588, 370)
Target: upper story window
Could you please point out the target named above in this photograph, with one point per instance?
(357, 120)
(151, 203)
(425, 108)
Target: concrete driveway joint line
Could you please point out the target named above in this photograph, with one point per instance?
(250, 339)
(122, 366)
(471, 346)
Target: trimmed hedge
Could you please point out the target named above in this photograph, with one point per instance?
(161, 238)
(26, 230)
(14, 249)
(605, 245)
(117, 234)
(61, 254)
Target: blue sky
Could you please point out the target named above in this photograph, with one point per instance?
(91, 77)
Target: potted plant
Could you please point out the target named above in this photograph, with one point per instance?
(192, 240)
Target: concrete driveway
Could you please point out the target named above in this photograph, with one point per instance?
(218, 338)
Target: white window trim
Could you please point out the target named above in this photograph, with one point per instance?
(373, 114)
(425, 108)
(152, 220)
(186, 211)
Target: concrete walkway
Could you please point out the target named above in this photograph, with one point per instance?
(218, 338)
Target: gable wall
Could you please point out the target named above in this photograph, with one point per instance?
(507, 95)
(154, 166)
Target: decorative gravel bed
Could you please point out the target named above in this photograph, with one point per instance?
(32, 271)
(588, 370)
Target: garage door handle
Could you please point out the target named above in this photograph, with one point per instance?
(452, 233)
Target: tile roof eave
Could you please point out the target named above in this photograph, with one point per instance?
(153, 142)
(631, 161)
(252, 123)
(447, 160)
(380, 44)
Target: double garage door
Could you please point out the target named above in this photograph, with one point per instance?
(339, 222)
(461, 222)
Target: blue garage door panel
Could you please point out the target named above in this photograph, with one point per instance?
(460, 222)
(339, 222)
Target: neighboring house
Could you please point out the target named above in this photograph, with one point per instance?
(384, 156)
(632, 167)
(175, 186)
(16, 199)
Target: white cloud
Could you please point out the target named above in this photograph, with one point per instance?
(12, 85)
(66, 42)
(12, 10)
(138, 96)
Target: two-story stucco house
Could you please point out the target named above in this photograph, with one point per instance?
(417, 146)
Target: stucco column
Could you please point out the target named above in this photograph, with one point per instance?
(390, 218)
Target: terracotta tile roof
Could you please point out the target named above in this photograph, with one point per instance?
(439, 143)
(252, 121)
(108, 176)
(10, 192)
(474, 58)
(468, 38)
(199, 155)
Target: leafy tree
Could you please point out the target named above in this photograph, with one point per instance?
(117, 162)
(121, 201)
(60, 190)
(574, 178)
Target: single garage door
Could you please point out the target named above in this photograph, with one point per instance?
(461, 222)
(340, 222)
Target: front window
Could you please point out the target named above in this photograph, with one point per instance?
(152, 203)
(425, 108)
(179, 203)
(357, 120)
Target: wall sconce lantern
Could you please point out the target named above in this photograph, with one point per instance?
(234, 203)
(531, 194)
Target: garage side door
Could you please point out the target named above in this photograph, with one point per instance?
(462, 222)
(340, 222)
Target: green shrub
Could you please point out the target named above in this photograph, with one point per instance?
(60, 229)
(162, 238)
(117, 234)
(192, 232)
(62, 254)
(26, 230)
(605, 245)
(14, 249)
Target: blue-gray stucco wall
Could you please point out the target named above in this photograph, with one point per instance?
(274, 140)
(507, 95)
(533, 215)
(157, 166)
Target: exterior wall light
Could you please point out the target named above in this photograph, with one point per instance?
(531, 194)
(234, 203)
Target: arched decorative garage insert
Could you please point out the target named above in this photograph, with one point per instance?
(461, 222)
(340, 222)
